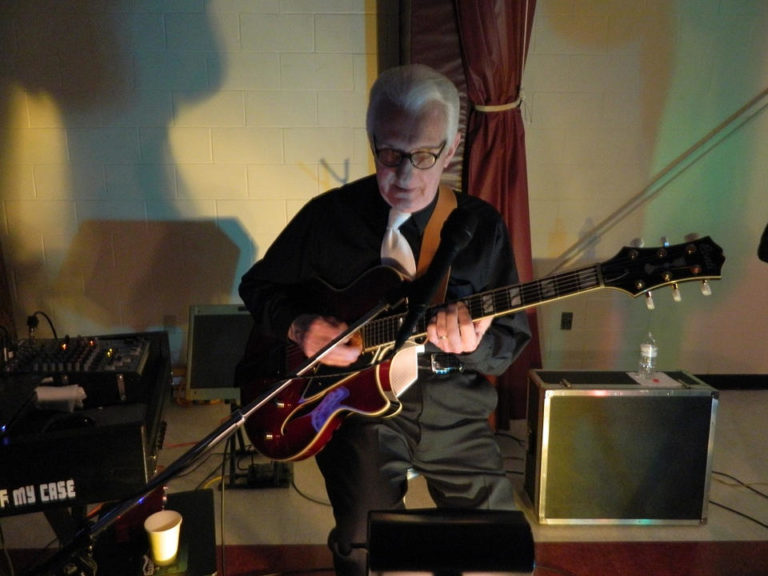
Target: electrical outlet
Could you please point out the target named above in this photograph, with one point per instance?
(566, 321)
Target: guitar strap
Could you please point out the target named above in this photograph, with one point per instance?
(446, 203)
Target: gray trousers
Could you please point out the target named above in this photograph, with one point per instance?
(442, 433)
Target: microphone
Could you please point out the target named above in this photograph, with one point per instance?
(455, 234)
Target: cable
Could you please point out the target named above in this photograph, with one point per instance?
(307, 496)
(208, 476)
(741, 483)
(20, 411)
(221, 507)
(32, 323)
(733, 510)
(738, 513)
(212, 482)
(506, 434)
(191, 469)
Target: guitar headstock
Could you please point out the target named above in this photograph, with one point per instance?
(640, 270)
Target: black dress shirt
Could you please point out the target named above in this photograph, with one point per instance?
(336, 237)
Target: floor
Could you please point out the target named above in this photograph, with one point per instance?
(300, 514)
(297, 513)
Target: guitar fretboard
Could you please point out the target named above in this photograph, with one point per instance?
(497, 302)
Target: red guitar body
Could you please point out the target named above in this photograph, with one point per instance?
(303, 415)
(299, 422)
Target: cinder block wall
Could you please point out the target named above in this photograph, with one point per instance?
(150, 151)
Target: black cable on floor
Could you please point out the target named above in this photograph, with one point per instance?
(738, 513)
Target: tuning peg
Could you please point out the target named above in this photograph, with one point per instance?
(649, 301)
(676, 296)
(706, 289)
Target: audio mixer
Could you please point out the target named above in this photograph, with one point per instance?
(108, 368)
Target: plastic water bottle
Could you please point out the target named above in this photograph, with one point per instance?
(648, 353)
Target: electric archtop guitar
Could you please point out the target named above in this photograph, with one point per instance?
(298, 421)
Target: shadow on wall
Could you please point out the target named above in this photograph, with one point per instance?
(108, 69)
(137, 274)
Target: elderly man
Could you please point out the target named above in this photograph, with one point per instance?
(442, 430)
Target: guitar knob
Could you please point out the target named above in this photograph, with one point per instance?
(649, 301)
(676, 296)
(637, 243)
(706, 289)
(665, 241)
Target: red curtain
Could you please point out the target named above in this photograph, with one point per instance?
(488, 40)
(494, 37)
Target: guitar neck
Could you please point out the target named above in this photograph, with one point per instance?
(494, 303)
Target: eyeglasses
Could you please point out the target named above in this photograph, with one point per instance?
(421, 159)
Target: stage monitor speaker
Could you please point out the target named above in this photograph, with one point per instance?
(604, 448)
(449, 541)
(216, 341)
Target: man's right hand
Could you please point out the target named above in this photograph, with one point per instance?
(313, 333)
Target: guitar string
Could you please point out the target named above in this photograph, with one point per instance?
(384, 330)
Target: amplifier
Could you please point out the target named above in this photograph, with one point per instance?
(216, 341)
(445, 541)
(58, 458)
(605, 448)
(85, 457)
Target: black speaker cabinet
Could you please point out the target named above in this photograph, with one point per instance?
(604, 448)
(449, 541)
(216, 341)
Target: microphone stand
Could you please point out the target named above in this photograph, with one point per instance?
(84, 538)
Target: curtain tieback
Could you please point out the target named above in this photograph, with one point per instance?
(499, 107)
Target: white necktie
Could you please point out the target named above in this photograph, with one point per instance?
(395, 250)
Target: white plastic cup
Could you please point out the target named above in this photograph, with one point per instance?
(163, 530)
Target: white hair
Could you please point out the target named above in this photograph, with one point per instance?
(411, 88)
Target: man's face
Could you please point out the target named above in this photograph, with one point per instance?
(405, 187)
